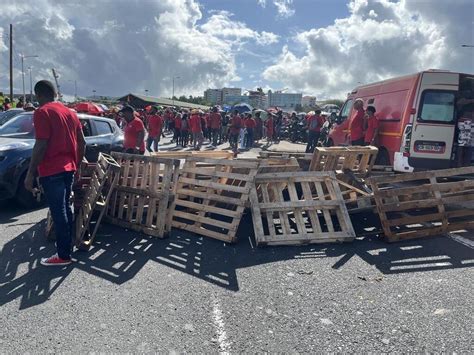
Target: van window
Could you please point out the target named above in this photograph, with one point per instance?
(437, 106)
(102, 127)
(346, 110)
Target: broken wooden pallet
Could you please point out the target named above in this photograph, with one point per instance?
(287, 212)
(359, 160)
(140, 201)
(303, 159)
(210, 199)
(96, 197)
(424, 204)
(212, 154)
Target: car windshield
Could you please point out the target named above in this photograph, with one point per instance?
(19, 126)
(8, 115)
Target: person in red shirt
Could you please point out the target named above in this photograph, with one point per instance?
(184, 133)
(57, 155)
(269, 125)
(314, 124)
(250, 125)
(215, 122)
(236, 125)
(6, 104)
(134, 132)
(196, 129)
(155, 128)
(177, 128)
(372, 132)
(356, 125)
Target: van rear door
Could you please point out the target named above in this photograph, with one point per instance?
(434, 126)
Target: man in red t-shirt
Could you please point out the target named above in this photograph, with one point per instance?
(215, 122)
(236, 125)
(134, 132)
(57, 155)
(314, 124)
(250, 125)
(196, 129)
(356, 125)
(155, 128)
(372, 132)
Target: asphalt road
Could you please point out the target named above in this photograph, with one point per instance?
(133, 293)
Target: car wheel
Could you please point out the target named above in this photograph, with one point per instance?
(382, 157)
(25, 198)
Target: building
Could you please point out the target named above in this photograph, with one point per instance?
(142, 101)
(284, 100)
(213, 96)
(236, 99)
(308, 101)
(258, 99)
(230, 92)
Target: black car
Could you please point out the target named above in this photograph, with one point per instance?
(16, 146)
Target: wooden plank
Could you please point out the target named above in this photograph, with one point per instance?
(208, 208)
(205, 232)
(214, 185)
(214, 197)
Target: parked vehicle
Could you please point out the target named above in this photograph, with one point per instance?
(16, 147)
(330, 108)
(417, 116)
(8, 115)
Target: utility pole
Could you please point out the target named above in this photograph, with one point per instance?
(174, 77)
(56, 76)
(11, 63)
(31, 85)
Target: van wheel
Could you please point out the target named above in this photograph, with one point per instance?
(382, 157)
(25, 198)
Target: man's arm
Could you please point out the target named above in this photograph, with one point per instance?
(81, 147)
(140, 139)
(39, 150)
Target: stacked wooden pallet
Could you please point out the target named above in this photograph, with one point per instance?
(424, 204)
(143, 193)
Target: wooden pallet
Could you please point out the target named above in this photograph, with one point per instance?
(359, 160)
(96, 197)
(212, 154)
(424, 204)
(303, 159)
(141, 199)
(288, 213)
(211, 196)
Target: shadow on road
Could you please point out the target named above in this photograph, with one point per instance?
(118, 255)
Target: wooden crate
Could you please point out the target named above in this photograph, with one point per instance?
(211, 196)
(424, 204)
(359, 160)
(141, 199)
(287, 212)
(212, 154)
(95, 199)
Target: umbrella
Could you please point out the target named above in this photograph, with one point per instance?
(88, 107)
(242, 107)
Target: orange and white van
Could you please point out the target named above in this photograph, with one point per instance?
(417, 115)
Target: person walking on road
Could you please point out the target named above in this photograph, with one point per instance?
(155, 127)
(315, 123)
(215, 119)
(134, 132)
(57, 155)
(356, 125)
(234, 131)
(196, 129)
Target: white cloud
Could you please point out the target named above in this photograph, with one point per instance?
(262, 3)
(115, 47)
(221, 25)
(284, 7)
(379, 39)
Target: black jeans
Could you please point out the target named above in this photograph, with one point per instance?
(152, 141)
(313, 138)
(359, 141)
(215, 135)
(57, 191)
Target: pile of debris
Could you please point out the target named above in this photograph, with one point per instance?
(294, 198)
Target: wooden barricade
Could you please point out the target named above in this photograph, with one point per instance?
(141, 199)
(212, 154)
(287, 212)
(95, 199)
(211, 196)
(424, 204)
(359, 160)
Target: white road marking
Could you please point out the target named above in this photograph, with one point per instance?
(463, 240)
(224, 344)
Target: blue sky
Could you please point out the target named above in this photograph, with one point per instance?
(317, 47)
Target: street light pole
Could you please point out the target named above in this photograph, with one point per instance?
(31, 84)
(75, 89)
(174, 77)
(23, 72)
(467, 45)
